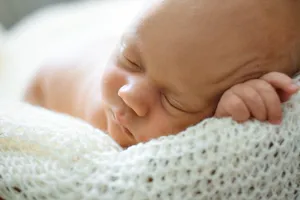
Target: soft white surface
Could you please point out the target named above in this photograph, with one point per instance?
(48, 156)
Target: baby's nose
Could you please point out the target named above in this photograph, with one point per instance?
(136, 97)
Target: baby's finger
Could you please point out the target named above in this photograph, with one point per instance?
(232, 105)
(280, 81)
(252, 99)
(270, 98)
(284, 96)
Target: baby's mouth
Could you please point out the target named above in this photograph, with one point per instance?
(123, 127)
(127, 131)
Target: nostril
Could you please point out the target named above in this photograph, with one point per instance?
(135, 107)
(121, 116)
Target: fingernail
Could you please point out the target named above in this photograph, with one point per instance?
(276, 122)
(294, 87)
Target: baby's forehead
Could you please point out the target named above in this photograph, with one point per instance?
(197, 16)
(207, 28)
(201, 38)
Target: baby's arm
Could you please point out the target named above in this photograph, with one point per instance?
(259, 98)
(57, 88)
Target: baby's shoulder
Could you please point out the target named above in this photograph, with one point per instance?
(87, 53)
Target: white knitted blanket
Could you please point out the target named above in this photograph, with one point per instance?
(44, 155)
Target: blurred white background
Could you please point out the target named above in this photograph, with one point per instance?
(38, 30)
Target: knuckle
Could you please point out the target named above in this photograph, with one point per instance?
(256, 82)
(274, 110)
(237, 109)
(235, 88)
(261, 116)
(253, 81)
(236, 103)
(276, 77)
(263, 87)
(271, 74)
(252, 96)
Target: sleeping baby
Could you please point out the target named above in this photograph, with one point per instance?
(180, 62)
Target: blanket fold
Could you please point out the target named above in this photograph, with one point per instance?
(44, 155)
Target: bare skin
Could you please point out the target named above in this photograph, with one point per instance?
(179, 63)
(258, 98)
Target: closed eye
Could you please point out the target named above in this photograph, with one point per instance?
(174, 106)
(171, 105)
(128, 64)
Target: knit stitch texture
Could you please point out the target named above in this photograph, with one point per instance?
(44, 155)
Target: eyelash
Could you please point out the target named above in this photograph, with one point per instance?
(170, 104)
(137, 68)
(130, 65)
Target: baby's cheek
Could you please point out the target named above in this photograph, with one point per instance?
(144, 138)
(155, 129)
(196, 118)
(111, 81)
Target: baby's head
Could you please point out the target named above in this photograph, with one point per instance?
(178, 57)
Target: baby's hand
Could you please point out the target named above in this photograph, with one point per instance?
(259, 98)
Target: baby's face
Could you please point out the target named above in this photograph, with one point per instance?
(173, 64)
